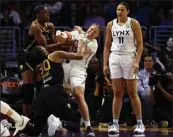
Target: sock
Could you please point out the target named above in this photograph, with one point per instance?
(71, 126)
(115, 121)
(16, 117)
(87, 123)
(139, 121)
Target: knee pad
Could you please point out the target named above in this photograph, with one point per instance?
(4, 107)
(38, 86)
(28, 90)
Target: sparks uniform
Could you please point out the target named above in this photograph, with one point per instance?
(31, 42)
(51, 98)
(123, 50)
(75, 71)
(23, 65)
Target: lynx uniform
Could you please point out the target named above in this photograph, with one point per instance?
(75, 71)
(31, 43)
(123, 50)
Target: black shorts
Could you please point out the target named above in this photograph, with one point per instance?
(22, 61)
(22, 65)
(51, 101)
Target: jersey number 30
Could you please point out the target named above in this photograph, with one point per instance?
(44, 66)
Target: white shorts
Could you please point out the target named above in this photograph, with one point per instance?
(121, 66)
(74, 75)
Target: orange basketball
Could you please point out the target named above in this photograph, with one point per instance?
(68, 34)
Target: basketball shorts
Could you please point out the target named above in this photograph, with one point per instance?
(121, 65)
(74, 75)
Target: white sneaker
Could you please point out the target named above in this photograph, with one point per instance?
(113, 129)
(4, 131)
(6, 124)
(140, 128)
(53, 124)
(22, 125)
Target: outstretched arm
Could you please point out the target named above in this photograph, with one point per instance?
(37, 33)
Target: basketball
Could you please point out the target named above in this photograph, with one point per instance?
(67, 34)
(60, 35)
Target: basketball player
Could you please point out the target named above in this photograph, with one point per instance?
(123, 38)
(51, 97)
(75, 70)
(41, 32)
(20, 121)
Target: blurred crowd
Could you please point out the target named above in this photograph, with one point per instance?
(155, 75)
(85, 12)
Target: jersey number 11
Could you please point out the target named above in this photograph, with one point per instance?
(121, 40)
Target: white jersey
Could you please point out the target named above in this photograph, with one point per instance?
(92, 44)
(123, 41)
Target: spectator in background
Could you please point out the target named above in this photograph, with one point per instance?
(92, 90)
(15, 16)
(163, 100)
(143, 12)
(73, 14)
(81, 11)
(165, 20)
(95, 95)
(110, 10)
(144, 90)
(93, 70)
(54, 7)
(94, 17)
(165, 55)
(149, 49)
(93, 3)
(152, 49)
(6, 20)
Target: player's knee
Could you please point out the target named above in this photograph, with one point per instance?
(132, 94)
(79, 97)
(118, 94)
(28, 90)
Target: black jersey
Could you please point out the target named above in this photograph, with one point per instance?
(31, 42)
(51, 72)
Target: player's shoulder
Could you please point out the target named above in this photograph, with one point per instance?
(134, 21)
(50, 24)
(111, 23)
(93, 43)
(34, 26)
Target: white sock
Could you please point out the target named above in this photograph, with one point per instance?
(115, 121)
(139, 121)
(87, 123)
(16, 117)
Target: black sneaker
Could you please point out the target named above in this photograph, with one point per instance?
(89, 132)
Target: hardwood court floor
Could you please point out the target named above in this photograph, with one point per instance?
(124, 132)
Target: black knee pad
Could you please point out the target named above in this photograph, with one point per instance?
(28, 90)
(38, 86)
